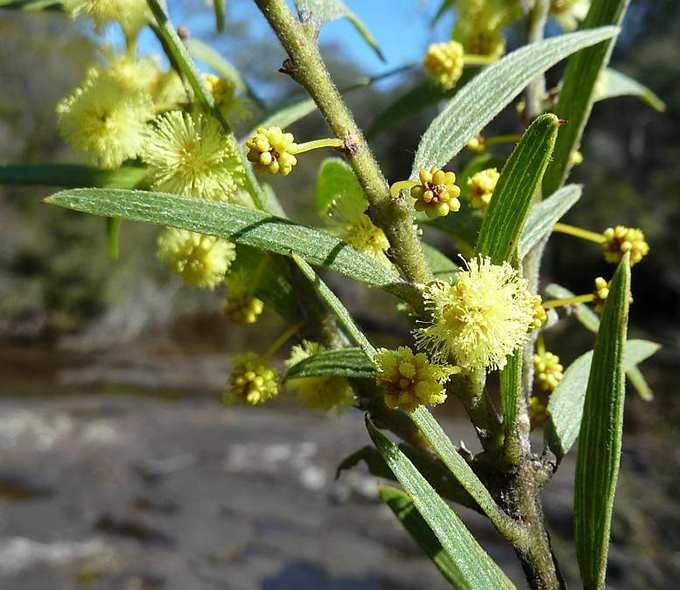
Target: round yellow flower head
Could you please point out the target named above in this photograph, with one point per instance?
(444, 62)
(437, 194)
(201, 261)
(104, 120)
(131, 14)
(481, 186)
(480, 23)
(272, 150)
(319, 393)
(480, 319)
(537, 412)
(251, 382)
(600, 293)
(411, 380)
(348, 221)
(224, 93)
(242, 308)
(540, 315)
(191, 155)
(547, 370)
(620, 239)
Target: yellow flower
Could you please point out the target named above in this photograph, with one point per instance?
(224, 93)
(537, 412)
(191, 155)
(242, 308)
(251, 382)
(131, 14)
(480, 23)
(411, 380)
(201, 261)
(540, 315)
(105, 121)
(437, 193)
(481, 186)
(620, 239)
(444, 62)
(319, 393)
(348, 221)
(547, 370)
(480, 319)
(272, 150)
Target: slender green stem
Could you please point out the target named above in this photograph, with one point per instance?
(479, 60)
(394, 217)
(496, 139)
(397, 187)
(585, 234)
(280, 341)
(587, 298)
(316, 144)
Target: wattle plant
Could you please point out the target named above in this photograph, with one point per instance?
(160, 148)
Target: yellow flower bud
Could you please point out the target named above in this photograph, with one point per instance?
(411, 380)
(251, 382)
(620, 239)
(540, 315)
(601, 292)
(437, 194)
(272, 150)
(444, 62)
(242, 308)
(537, 412)
(481, 186)
(547, 370)
(476, 145)
(226, 99)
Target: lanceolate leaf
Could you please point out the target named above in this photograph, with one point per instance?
(478, 102)
(515, 190)
(618, 84)
(578, 88)
(337, 308)
(346, 362)
(327, 10)
(544, 215)
(565, 408)
(244, 226)
(72, 176)
(474, 568)
(336, 178)
(407, 514)
(599, 451)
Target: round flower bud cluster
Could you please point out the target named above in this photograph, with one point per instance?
(437, 194)
(548, 370)
(480, 188)
(319, 393)
(272, 150)
(538, 413)
(444, 62)
(251, 382)
(600, 293)
(201, 261)
(620, 239)
(540, 315)
(411, 380)
(242, 308)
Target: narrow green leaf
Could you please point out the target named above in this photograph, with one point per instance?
(479, 101)
(544, 215)
(442, 267)
(578, 88)
(445, 5)
(243, 226)
(458, 466)
(112, 235)
(72, 176)
(520, 179)
(219, 14)
(328, 10)
(31, 5)
(511, 398)
(474, 568)
(336, 306)
(618, 84)
(638, 381)
(583, 313)
(407, 514)
(599, 451)
(203, 52)
(336, 179)
(346, 362)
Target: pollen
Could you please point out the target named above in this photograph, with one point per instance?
(480, 319)
(251, 381)
(411, 380)
(272, 150)
(620, 239)
(201, 261)
(480, 188)
(444, 62)
(437, 194)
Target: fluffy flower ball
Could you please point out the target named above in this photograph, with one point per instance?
(444, 62)
(480, 319)
(131, 14)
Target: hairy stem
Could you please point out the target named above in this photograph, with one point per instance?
(393, 216)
